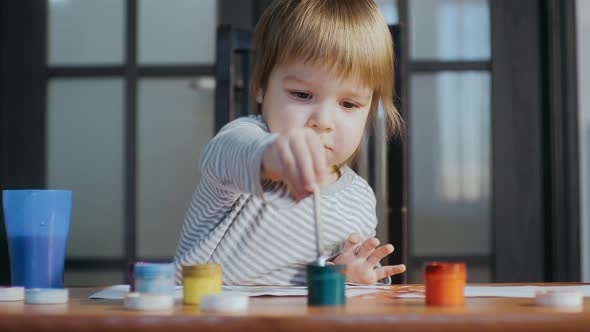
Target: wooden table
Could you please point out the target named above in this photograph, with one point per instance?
(375, 312)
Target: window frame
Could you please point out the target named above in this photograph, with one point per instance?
(534, 131)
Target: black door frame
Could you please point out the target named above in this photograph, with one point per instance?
(22, 104)
(535, 141)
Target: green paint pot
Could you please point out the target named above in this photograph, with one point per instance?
(326, 285)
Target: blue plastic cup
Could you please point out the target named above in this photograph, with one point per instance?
(37, 226)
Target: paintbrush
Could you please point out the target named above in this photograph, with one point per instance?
(320, 260)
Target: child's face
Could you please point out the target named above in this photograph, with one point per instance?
(303, 95)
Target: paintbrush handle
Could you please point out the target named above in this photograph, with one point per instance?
(317, 222)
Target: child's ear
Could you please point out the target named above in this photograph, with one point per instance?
(259, 96)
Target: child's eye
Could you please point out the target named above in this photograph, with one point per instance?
(349, 105)
(301, 95)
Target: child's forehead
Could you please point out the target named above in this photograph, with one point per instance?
(301, 70)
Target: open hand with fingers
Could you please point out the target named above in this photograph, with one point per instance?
(361, 260)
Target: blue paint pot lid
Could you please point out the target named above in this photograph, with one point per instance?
(153, 269)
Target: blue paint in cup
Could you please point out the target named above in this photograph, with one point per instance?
(37, 226)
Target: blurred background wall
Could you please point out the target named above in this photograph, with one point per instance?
(123, 104)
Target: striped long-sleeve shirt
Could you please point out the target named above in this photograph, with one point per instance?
(256, 230)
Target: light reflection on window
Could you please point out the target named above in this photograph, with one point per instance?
(464, 139)
(389, 10)
(449, 29)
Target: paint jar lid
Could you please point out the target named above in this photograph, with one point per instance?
(148, 302)
(143, 270)
(559, 298)
(46, 295)
(445, 269)
(198, 270)
(12, 293)
(224, 302)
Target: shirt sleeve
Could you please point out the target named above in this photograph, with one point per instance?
(232, 160)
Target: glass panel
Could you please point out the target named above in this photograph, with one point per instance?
(449, 29)
(583, 46)
(180, 31)
(93, 278)
(450, 198)
(175, 123)
(475, 274)
(85, 32)
(85, 154)
(389, 10)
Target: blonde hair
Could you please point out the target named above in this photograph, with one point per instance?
(348, 36)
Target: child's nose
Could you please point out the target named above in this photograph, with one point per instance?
(322, 119)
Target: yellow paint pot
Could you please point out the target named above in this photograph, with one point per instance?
(201, 279)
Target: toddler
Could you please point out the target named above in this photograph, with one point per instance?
(321, 67)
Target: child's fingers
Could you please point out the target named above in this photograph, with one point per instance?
(285, 156)
(291, 189)
(379, 254)
(367, 247)
(389, 270)
(318, 153)
(351, 242)
(304, 164)
(290, 173)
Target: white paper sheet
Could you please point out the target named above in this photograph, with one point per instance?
(118, 292)
(504, 291)
(267, 290)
